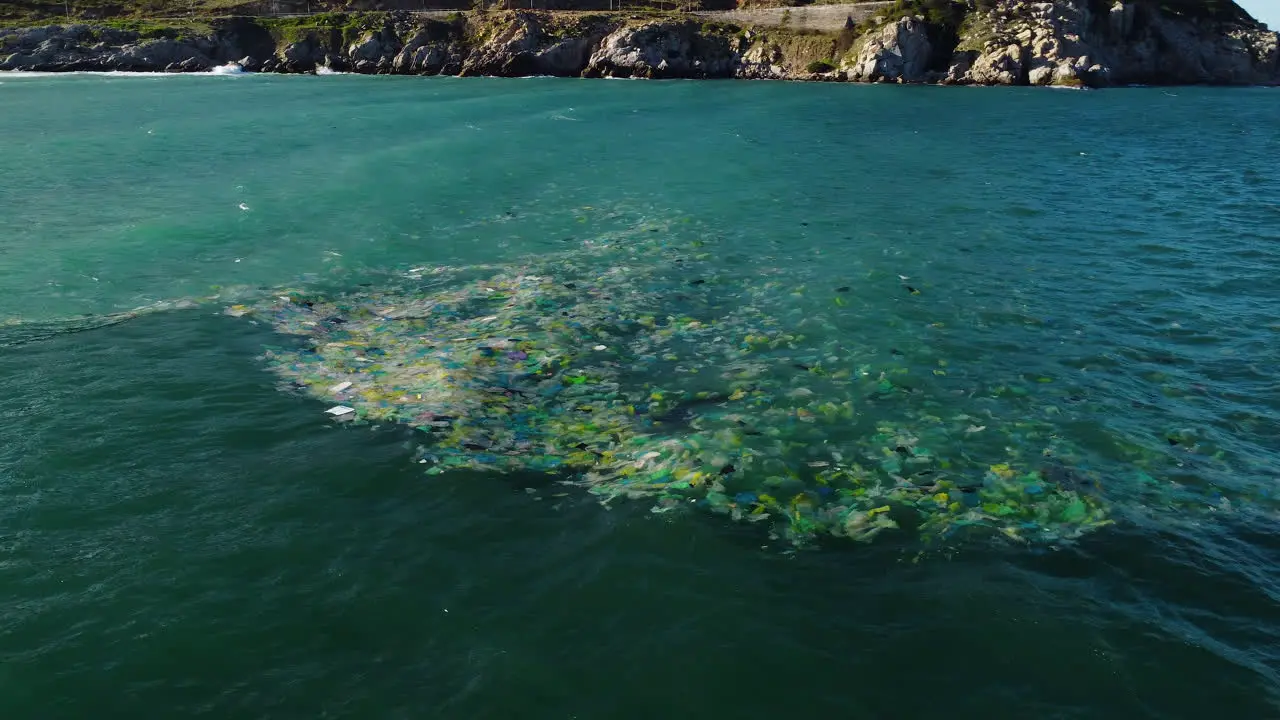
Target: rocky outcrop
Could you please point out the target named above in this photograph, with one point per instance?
(1155, 48)
(1028, 43)
(774, 55)
(422, 55)
(664, 50)
(896, 52)
(433, 48)
(996, 66)
(1095, 43)
(81, 47)
(1008, 42)
(375, 52)
(527, 45)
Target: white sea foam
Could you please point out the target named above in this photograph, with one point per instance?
(85, 73)
(228, 69)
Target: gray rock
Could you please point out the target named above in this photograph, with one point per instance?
(432, 49)
(508, 50)
(376, 50)
(664, 49)
(1002, 66)
(958, 72)
(158, 54)
(567, 57)
(301, 57)
(1060, 43)
(334, 61)
(1041, 75)
(299, 52)
(1120, 20)
(761, 59)
(897, 52)
(30, 38)
(434, 59)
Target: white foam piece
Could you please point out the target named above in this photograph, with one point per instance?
(341, 412)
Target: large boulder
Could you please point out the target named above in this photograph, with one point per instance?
(157, 55)
(565, 57)
(434, 48)
(302, 56)
(48, 48)
(431, 59)
(192, 64)
(375, 52)
(959, 71)
(664, 49)
(508, 49)
(998, 66)
(30, 38)
(896, 52)
(524, 44)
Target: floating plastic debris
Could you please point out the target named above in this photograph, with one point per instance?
(342, 412)
(675, 381)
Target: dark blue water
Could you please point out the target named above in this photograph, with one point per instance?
(179, 538)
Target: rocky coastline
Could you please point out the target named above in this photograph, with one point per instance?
(1072, 43)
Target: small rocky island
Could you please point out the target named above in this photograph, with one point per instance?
(1072, 43)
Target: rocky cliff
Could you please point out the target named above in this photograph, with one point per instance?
(983, 42)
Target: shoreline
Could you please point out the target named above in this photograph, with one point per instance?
(1061, 44)
(344, 73)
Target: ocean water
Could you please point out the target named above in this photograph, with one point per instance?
(180, 538)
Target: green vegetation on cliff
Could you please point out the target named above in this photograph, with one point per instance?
(348, 27)
(41, 12)
(155, 12)
(158, 29)
(329, 15)
(935, 12)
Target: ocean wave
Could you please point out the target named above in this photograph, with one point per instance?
(230, 68)
(23, 74)
(18, 331)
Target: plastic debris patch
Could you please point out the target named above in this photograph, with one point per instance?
(676, 382)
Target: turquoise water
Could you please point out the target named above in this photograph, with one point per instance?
(181, 538)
